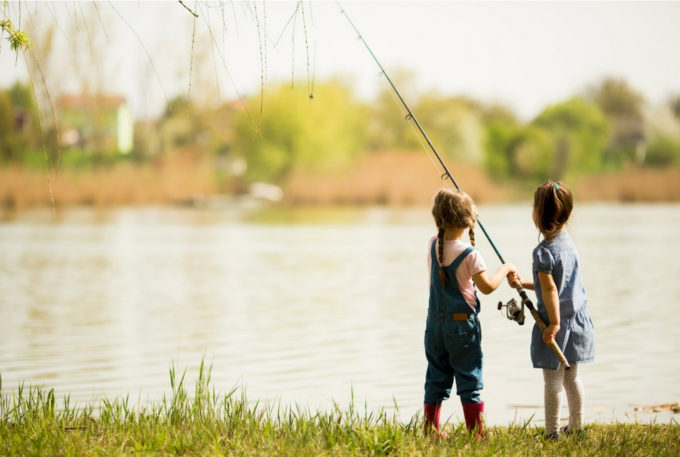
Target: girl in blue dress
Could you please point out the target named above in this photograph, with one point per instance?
(561, 301)
(453, 334)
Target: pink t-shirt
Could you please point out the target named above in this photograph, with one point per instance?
(470, 266)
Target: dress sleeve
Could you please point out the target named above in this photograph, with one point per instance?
(543, 260)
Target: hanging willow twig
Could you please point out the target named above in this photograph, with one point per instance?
(187, 8)
(18, 40)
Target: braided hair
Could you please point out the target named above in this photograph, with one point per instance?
(553, 203)
(452, 209)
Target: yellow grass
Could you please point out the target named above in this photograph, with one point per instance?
(389, 178)
(392, 178)
(632, 185)
(123, 184)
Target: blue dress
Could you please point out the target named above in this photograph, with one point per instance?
(576, 337)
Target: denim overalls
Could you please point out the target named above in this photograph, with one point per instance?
(453, 339)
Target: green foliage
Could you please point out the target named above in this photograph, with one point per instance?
(662, 152)
(453, 126)
(615, 98)
(386, 119)
(18, 40)
(522, 152)
(622, 105)
(18, 128)
(579, 132)
(565, 138)
(294, 132)
(388, 128)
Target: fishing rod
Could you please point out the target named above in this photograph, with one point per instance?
(517, 313)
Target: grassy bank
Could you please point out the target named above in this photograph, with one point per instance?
(202, 422)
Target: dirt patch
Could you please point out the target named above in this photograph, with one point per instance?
(665, 407)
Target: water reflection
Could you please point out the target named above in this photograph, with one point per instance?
(306, 312)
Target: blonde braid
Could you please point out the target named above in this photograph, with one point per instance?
(452, 209)
(440, 237)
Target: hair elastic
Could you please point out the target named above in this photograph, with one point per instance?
(557, 186)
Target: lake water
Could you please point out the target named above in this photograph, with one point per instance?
(309, 308)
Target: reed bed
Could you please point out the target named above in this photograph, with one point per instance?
(390, 178)
(383, 178)
(631, 185)
(122, 184)
(202, 422)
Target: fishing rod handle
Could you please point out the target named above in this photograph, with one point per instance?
(541, 324)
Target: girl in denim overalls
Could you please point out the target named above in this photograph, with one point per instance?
(561, 301)
(453, 334)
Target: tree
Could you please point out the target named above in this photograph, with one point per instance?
(388, 126)
(579, 131)
(18, 125)
(295, 132)
(674, 104)
(518, 151)
(623, 107)
(453, 126)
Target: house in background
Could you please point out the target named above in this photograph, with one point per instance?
(97, 123)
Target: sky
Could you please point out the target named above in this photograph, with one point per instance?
(526, 55)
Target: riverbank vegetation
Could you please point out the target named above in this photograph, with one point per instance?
(607, 142)
(203, 422)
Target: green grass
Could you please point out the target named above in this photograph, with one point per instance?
(205, 423)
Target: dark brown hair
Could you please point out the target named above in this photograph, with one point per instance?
(553, 203)
(452, 209)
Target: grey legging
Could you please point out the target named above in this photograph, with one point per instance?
(554, 380)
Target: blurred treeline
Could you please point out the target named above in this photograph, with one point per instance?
(285, 130)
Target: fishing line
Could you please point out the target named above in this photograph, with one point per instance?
(428, 154)
(447, 175)
(411, 117)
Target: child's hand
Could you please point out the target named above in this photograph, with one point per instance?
(510, 268)
(549, 333)
(514, 279)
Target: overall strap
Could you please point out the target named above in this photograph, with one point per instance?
(455, 263)
(433, 252)
(461, 257)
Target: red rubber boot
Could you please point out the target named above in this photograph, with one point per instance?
(474, 418)
(431, 418)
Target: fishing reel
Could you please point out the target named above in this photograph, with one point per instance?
(512, 311)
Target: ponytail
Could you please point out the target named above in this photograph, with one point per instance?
(553, 203)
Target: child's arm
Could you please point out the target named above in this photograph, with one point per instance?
(552, 306)
(487, 284)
